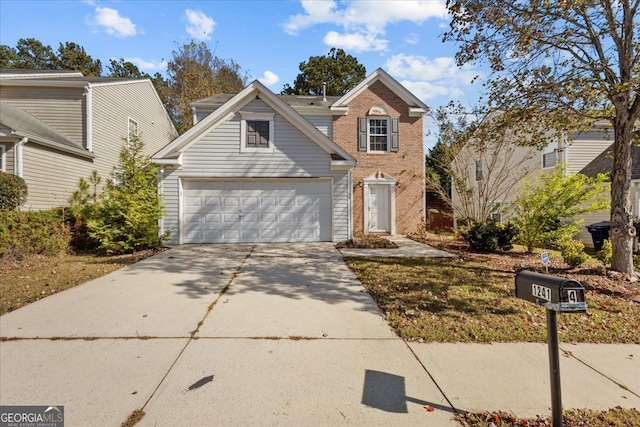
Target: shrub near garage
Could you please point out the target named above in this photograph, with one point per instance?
(13, 191)
(32, 233)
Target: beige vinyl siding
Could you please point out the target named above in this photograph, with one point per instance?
(113, 105)
(585, 147)
(62, 108)
(583, 235)
(466, 164)
(51, 175)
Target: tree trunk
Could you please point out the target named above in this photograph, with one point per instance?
(622, 230)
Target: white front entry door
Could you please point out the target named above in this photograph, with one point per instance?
(379, 208)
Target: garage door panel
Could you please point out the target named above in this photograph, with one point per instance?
(256, 211)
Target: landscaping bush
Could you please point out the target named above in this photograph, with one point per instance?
(126, 217)
(83, 203)
(606, 253)
(546, 202)
(490, 236)
(13, 191)
(32, 232)
(572, 251)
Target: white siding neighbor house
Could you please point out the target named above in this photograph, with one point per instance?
(58, 126)
(576, 151)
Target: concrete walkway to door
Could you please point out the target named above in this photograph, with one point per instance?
(270, 334)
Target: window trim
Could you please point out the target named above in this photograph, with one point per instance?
(3, 158)
(549, 149)
(129, 122)
(496, 209)
(369, 135)
(251, 116)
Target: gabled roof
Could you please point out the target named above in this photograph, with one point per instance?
(416, 107)
(604, 163)
(22, 73)
(233, 105)
(26, 125)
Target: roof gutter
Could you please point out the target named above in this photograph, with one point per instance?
(52, 144)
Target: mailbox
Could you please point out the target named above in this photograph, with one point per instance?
(553, 293)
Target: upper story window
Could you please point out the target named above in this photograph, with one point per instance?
(132, 129)
(378, 134)
(256, 132)
(549, 156)
(479, 171)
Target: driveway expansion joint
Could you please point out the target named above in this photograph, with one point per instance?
(192, 335)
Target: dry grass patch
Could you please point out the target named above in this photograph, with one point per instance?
(614, 417)
(37, 277)
(449, 300)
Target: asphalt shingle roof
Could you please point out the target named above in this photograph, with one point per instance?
(604, 163)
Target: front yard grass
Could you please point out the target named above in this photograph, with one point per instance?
(36, 277)
(452, 300)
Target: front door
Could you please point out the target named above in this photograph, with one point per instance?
(379, 209)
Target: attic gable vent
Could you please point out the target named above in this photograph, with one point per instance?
(378, 110)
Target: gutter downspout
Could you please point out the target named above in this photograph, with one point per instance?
(89, 117)
(17, 157)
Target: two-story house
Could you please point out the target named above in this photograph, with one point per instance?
(489, 179)
(58, 126)
(261, 167)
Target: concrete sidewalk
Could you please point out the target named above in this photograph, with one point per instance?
(283, 335)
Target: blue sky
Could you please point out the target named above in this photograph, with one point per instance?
(267, 38)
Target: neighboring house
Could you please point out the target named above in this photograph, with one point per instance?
(491, 179)
(603, 163)
(58, 126)
(260, 167)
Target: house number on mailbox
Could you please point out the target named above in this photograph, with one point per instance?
(541, 292)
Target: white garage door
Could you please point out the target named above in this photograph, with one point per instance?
(257, 211)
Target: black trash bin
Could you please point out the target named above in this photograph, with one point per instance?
(599, 233)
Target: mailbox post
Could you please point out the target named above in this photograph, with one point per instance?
(556, 294)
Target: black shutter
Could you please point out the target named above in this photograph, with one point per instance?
(395, 134)
(362, 134)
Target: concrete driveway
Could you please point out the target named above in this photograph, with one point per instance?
(218, 335)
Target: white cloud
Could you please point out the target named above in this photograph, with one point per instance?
(363, 19)
(426, 90)
(113, 23)
(428, 78)
(358, 42)
(417, 67)
(200, 26)
(412, 38)
(152, 65)
(269, 78)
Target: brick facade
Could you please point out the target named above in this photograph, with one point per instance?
(406, 165)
